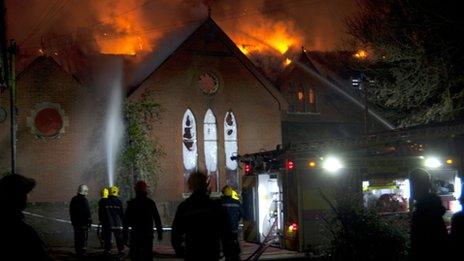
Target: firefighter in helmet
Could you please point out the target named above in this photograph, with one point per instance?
(110, 215)
(233, 210)
(101, 207)
(81, 219)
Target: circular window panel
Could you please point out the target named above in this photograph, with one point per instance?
(208, 83)
(48, 122)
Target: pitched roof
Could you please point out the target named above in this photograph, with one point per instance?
(45, 61)
(337, 86)
(209, 27)
(301, 59)
(304, 59)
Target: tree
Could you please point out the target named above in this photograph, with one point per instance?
(141, 154)
(415, 65)
(360, 233)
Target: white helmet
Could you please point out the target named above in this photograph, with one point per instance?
(83, 190)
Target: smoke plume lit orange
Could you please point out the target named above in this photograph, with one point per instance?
(121, 31)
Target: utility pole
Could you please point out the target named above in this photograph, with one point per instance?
(364, 86)
(13, 111)
(8, 56)
(3, 46)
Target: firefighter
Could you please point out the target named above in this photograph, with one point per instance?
(101, 208)
(81, 219)
(198, 223)
(111, 220)
(140, 214)
(18, 240)
(457, 229)
(429, 237)
(233, 211)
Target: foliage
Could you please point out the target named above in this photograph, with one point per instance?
(359, 233)
(141, 154)
(415, 55)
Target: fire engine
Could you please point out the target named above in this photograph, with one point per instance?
(287, 192)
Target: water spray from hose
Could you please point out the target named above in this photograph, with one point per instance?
(114, 126)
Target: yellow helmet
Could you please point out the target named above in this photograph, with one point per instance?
(235, 195)
(104, 193)
(114, 191)
(227, 191)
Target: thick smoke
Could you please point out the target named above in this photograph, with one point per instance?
(318, 25)
(77, 32)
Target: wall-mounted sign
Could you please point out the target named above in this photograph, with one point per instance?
(47, 120)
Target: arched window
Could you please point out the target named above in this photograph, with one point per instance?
(210, 139)
(300, 99)
(312, 100)
(231, 149)
(189, 145)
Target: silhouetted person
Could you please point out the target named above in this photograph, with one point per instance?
(18, 241)
(429, 238)
(198, 223)
(111, 220)
(140, 214)
(457, 230)
(104, 193)
(81, 219)
(233, 211)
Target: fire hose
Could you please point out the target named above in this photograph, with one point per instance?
(95, 226)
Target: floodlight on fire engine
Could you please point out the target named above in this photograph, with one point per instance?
(432, 162)
(332, 164)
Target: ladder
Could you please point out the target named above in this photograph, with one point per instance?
(407, 135)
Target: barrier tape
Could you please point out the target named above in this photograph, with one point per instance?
(69, 222)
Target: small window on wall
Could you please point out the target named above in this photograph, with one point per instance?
(300, 100)
(189, 146)
(211, 155)
(312, 100)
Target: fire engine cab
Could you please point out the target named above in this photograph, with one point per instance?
(288, 193)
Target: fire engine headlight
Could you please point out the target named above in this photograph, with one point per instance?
(332, 164)
(432, 162)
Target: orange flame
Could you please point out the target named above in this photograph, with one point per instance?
(121, 34)
(264, 36)
(287, 62)
(361, 54)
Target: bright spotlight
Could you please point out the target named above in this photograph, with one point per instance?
(332, 164)
(432, 162)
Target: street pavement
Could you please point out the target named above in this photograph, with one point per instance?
(57, 233)
(165, 252)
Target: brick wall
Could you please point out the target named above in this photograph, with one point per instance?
(58, 164)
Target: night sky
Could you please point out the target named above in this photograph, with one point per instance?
(319, 23)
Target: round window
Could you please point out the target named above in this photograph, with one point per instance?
(48, 122)
(208, 83)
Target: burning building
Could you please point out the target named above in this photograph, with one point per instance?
(321, 104)
(215, 104)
